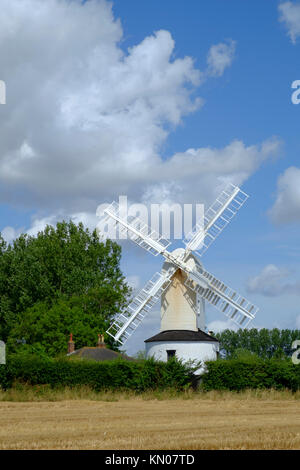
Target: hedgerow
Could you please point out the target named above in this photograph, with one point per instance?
(143, 375)
(117, 374)
(241, 374)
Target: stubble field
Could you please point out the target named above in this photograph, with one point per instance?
(251, 420)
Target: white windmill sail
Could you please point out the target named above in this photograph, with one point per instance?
(127, 322)
(216, 218)
(226, 300)
(137, 230)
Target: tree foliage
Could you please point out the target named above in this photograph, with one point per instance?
(62, 280)
(264, 343)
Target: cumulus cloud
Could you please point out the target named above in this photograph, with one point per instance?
(38, 224)
(83, 118)
(220, 56)
(10, 233)
(287, 204)
(290, 16)
(86, 121)
(217, 326)
(273, 281)
(198, 177)
(200, 174)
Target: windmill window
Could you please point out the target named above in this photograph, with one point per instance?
(171, 353)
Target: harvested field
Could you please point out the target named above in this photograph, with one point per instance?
(269, 420)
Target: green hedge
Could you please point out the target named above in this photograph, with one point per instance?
(238, 374)
(233, 374)
(117, 374)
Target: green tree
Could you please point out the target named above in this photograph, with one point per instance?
(63, 271)
(264, 343)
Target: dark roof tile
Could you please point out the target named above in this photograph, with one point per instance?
(99, 354)
(181, 335)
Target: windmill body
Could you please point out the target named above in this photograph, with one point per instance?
(181, 307)
(183, 285)
(182, 330)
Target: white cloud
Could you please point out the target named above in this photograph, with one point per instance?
(287, 204)
(290, 16)
(220, 56)
(38, 224)
(273, 281)
(198, 175)
(85, 121)
(10, 233)
(217, 326)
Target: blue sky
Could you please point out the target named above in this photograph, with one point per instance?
(82, 126)
(252, 102)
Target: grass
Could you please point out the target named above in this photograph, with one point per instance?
(31, 393)
(41, 418)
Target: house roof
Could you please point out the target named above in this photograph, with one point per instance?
(181, 335)
(99, 354)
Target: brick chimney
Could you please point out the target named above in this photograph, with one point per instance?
(71, 344)
(100, 343)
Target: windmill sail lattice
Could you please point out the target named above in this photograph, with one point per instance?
(127, 322)
(225, 299)
(137, 230)
(216, 218)
(233, 305)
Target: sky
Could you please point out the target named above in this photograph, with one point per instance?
(161, 102)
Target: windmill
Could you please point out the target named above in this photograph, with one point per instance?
(183, 285)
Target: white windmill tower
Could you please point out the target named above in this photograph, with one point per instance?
(183, 285)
